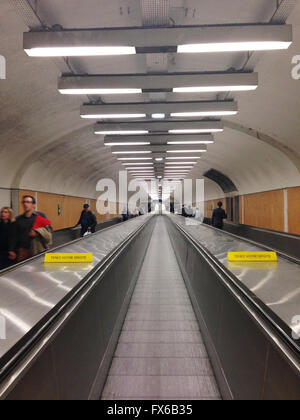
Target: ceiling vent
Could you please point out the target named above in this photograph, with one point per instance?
(155, 12)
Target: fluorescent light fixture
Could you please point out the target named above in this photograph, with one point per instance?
(191, 142)
(113, 116)
(127, 144)
(182, 167)
(162, 109)
(121, 133)
(233, 47)
(132, 159)
(139, 152)
(203, 114)
(79, 51)
(180, 158)
(96, 91)
(187, 151)
(132, 167)
(158, 116)
(136, 84)
(138, 164)
(180, 163)
(205, 89)
(127, 41)
(197, 131)
(159, 159)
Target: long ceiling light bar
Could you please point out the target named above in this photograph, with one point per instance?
(158, 139)
(79, 51)
(197, 131)
(133, 159)
(133, 152)
(112, 144)
(113, 116)
(192, 143)
(175, 109)
(217, 88)
(120, 133)
(137, 164)
(180, 158)
(182, 167)
(136, 167)
(167, 126)
(180, 163)
(137, 83)
(100, 91)
(234, 47)
(187, 151)
(160, 151)
(193, 39)
(203, 114)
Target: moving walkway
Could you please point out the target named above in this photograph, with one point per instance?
(158, 315)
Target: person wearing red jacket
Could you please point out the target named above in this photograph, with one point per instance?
(41, 235)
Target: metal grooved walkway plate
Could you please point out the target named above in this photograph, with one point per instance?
(161, 354)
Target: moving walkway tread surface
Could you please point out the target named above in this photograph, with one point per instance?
(161, 354)
(277, 285)
(30, 291)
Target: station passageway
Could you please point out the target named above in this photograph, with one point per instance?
(149, 200)
(161, 354)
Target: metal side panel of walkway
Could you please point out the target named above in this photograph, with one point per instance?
(160, 354)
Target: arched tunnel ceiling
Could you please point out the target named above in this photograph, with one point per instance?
(45, 145)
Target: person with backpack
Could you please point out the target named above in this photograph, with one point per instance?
(88, 221)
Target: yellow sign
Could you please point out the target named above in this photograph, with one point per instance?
(252, 257)
(68, 258)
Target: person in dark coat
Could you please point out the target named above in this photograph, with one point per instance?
(20, 244)
(218, 217)
(7, 226)
(88, 221)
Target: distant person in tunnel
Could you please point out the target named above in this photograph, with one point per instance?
(218, 217)
(32, 233)
(125, 214)
(88, 221)
(6, 231)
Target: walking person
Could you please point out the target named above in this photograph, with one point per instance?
(6, 231)
(26, 232)
(125, 214)
(218, 217)
(88, 221)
